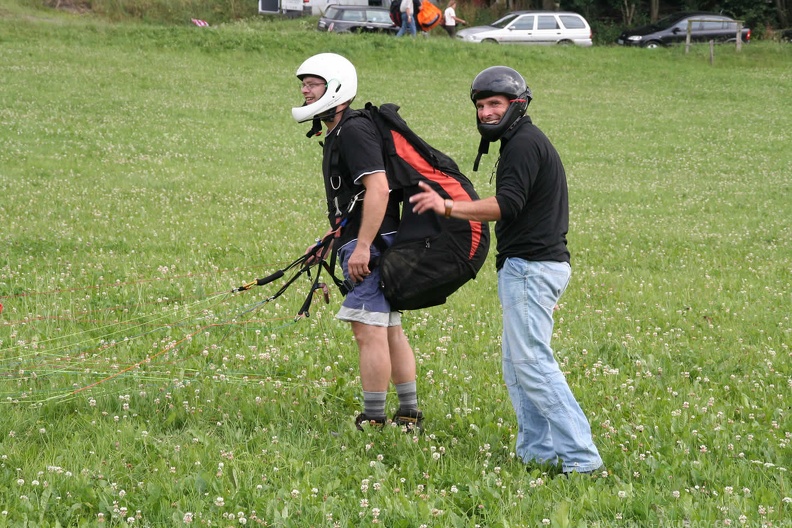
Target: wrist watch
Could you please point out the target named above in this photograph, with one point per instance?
(449, 204)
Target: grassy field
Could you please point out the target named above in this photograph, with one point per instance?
(147, 171)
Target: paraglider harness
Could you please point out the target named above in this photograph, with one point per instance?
(431, 256)
(316, 256)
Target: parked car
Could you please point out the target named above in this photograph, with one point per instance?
(532, 27)
(673, 30)
(356, 19)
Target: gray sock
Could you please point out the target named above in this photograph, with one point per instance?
(408, 396)
(374, 404)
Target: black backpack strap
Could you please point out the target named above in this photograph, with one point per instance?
(342, 197)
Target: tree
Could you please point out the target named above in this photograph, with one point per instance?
(783, 12)
(654, 10)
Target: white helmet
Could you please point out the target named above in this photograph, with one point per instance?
(341, 79)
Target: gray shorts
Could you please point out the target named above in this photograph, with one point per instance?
(366, 303)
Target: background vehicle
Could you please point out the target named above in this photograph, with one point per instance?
(673, 30)
(318, 7)
(533, 27)
(356, 19)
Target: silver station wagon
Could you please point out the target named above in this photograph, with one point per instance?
(533, 27)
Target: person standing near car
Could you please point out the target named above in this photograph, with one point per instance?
(450, 19)
(359, 199)
(531, 211)
(407, 18)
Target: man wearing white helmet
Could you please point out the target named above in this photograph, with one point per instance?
(531, 211)
(357, 192)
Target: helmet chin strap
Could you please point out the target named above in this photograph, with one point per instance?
(316, 128)
(486, 139)
(483, 149)
(327, 117)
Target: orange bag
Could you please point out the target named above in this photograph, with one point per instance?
(429, 16)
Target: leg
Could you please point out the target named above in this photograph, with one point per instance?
(404, 26)
(409, 416)
(534, 439)
(551, 423)
(373, 351)
(383, 350)
(402, 358)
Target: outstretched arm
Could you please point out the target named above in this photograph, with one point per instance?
(485, 210)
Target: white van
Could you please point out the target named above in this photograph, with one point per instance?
(533, 27)
(318, 7)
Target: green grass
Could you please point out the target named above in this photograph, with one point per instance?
(147, 171)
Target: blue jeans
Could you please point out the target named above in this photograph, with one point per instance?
(407, 26)
(551, 425)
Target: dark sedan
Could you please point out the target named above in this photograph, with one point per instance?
(356, 19)
(673, 30)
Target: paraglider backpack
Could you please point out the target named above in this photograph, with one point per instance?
(431, 256)
(429, 16)
(396, 14)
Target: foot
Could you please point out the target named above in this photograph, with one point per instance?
(410, 420)
(601, 471)
(373, 421)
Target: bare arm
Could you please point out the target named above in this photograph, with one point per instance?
(375, 204)
(485, 210)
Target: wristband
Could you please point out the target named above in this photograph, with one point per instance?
(449, 204)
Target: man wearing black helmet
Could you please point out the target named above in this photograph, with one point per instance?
(531, 211)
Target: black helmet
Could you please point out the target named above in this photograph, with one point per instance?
(501, 80)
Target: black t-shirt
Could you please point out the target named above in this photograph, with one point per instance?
(352, 150)
(531, 190)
